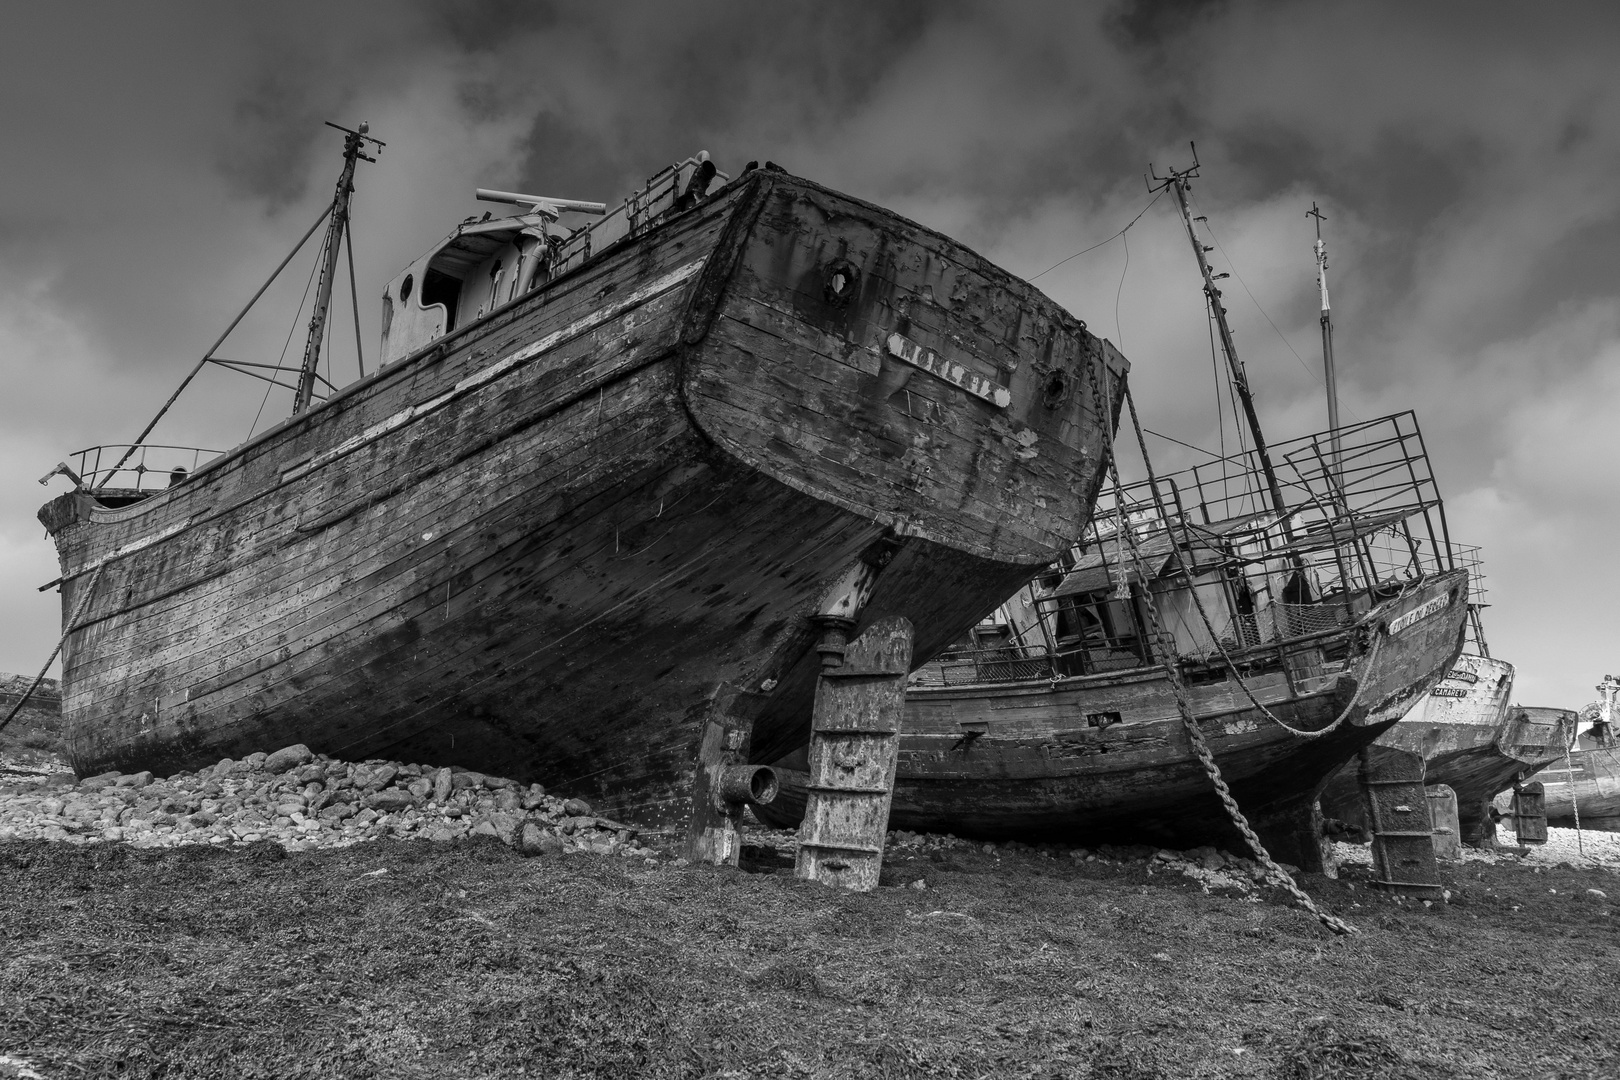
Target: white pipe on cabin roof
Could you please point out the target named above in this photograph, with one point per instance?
(562, 205)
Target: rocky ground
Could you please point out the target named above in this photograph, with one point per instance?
(290, 915)
(302, 801)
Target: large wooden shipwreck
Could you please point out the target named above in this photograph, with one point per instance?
(1057, 720)
(608, 484)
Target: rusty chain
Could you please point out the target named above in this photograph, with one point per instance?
(1195, 734)
(1192, 587)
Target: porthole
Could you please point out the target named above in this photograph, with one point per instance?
(842, 279)
(1057, 390)
(405, 288)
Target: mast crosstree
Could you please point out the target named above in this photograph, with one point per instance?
(1177, 182)
(337, 228)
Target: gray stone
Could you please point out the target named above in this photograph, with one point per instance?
(202, 819)
(135, 780)
(255, 760)
(496, 783)
(288, 757)
(462, 780)
(99, 781)
(392, 799)
(337, 812)
(442, 785)
(485, 828)
(421, 787)
(576, 807)
(313, 773)
(533, 800)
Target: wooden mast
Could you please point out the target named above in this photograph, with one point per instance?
(1177, 182)
(1327, 338)
(336, 228)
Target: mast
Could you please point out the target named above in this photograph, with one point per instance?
(1177, 182)
(336, 228)
(1327, 337)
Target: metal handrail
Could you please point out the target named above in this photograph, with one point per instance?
(92, 474)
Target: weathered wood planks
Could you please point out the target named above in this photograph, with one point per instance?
(543, 545)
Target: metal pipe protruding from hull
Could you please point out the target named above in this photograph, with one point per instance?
(741, 784)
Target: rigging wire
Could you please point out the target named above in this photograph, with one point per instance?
(1100, 243)
(285, 345)
(1229, 261)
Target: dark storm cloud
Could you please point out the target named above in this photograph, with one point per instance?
(1464, 154)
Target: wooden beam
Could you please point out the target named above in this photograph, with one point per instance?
(854, 748)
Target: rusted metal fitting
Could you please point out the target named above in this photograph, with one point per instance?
(756, 784)
(835, 630)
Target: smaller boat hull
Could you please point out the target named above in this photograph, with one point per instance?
(1040, 771)
(1587, 784)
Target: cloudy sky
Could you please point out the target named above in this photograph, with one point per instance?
(161, 159)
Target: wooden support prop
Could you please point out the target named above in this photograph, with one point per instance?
(1293, 834)
(725, 783)
(1530, 813)
(1398, 814)
(854, 748)
(1443, 819)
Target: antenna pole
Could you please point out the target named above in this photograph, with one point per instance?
(1327, 339)
(336, 228)
(1177, 181)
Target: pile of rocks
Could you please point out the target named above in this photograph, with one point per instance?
(305, 800)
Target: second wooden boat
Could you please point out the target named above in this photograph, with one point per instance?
(1062, 723)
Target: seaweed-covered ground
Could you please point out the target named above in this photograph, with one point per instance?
(464, 959)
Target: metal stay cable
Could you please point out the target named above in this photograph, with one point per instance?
(72, 625)
(1192, 587)
(1194, 733)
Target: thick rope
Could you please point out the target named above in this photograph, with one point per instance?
(1574, 798)
(72, 625)
(1195, 735)
(1192, 587)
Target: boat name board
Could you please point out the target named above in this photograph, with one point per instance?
(1417, 614)
(494, 371)
(953, 373)
(1461, 675)
(1450, 691)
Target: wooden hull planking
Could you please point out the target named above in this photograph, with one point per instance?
(1587, 783)
(1039, 771)
(541, 546)
(1468, 738)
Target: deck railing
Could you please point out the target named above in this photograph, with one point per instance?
(149, 467)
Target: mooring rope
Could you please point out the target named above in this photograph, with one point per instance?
(1195, 734)
(1574, 799)
(1192, 587)
(72, 625)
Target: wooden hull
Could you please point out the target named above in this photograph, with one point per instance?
(1039, 770)
(1467, 737)
(543, 545)
(1588, 782)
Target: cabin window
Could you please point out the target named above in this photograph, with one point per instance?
(405, 288)
(1096, 632)
(440, 288)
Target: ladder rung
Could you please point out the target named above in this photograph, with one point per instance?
(1405, 832)
(859, 850)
